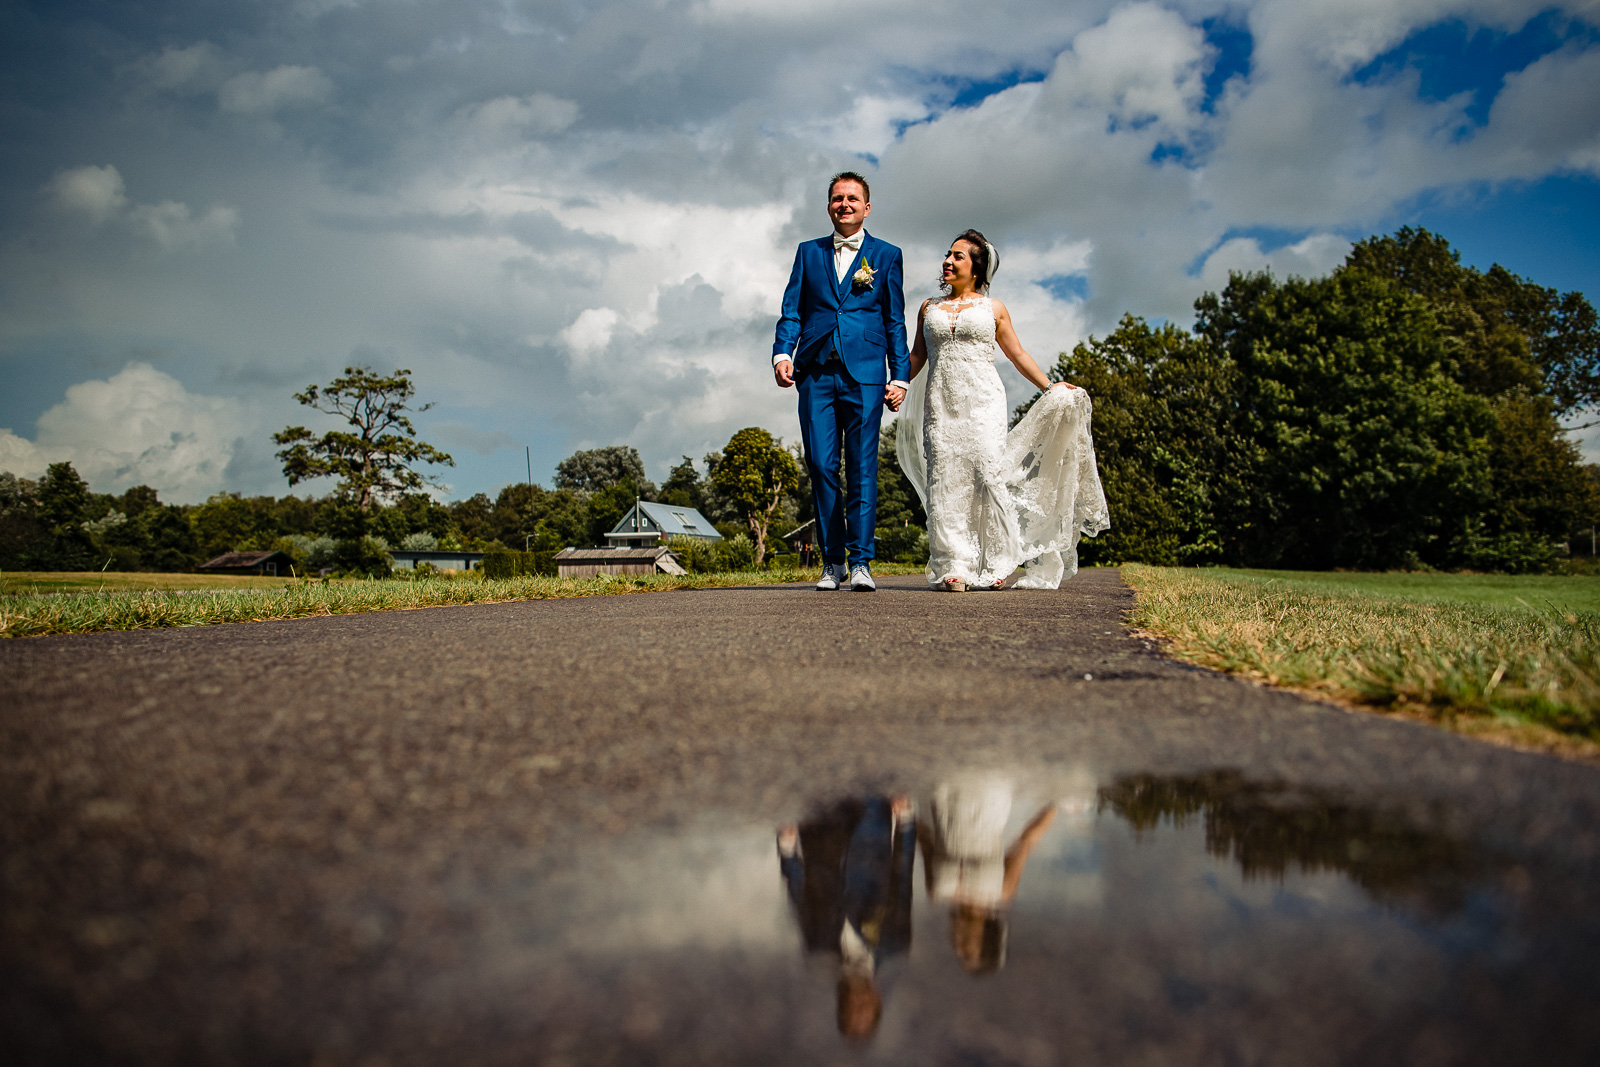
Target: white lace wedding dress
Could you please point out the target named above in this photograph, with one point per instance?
(995, 500)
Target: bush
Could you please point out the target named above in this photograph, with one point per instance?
(366, 558)
(785, 561)
(508, 563)
(696, 554)
(736, 554)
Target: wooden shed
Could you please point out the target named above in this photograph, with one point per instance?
(588, 562)
(278, 564)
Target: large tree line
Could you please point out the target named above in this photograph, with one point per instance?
(57, 523)
(1403, 411)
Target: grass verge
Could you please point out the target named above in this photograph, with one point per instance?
(18, 583)
(41, 615)
(1524, 673)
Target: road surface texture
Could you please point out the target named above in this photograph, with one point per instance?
(544, 832)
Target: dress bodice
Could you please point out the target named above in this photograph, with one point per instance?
(962, 331)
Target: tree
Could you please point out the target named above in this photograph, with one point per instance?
(756, 472)
(1505, 333)
(902, 527)
(684, 487)
(374, 462)
(1163, 411)
(601, 468)
(1354, 445)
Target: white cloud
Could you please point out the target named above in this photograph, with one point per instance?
(172, 225)
(1309, 258)
(507, 117)
(579, 220)
(93, 192)
(196, 68)
(139, 427)
(96, 194)
(282, 88)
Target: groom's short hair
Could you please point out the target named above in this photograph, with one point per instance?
(850, 176)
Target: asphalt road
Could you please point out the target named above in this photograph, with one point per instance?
(289, 842)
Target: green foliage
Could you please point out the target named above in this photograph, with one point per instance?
(373, 463)
(1400, 412)
(699, 556)
(602, 468)
(901, 533)
(1163, 440)
(757, 474)
(505, 563)
(1355, 447)
(364, 557)
(1505, 334)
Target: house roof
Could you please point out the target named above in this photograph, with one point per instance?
(610, 555)
(234, 560)
(668, 519)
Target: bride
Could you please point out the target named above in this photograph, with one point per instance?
(995, 500)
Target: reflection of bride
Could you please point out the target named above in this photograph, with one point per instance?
(966, 864)
(994, 500)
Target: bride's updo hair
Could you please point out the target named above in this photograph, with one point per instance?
(984, 258)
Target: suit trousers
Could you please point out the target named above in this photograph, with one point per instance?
(838, 414)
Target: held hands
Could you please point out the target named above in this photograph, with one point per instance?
(893, 397)
(783, 373)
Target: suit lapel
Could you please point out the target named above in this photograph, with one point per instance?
(847, 284)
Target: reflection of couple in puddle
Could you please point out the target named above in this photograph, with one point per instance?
(848, 870)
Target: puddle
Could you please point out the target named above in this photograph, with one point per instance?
(989, 920)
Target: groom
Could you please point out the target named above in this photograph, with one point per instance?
(842, 340)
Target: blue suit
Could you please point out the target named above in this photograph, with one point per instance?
(848, 341)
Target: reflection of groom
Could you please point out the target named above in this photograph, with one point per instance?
(843, 322)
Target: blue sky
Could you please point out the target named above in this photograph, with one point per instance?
(573, 221)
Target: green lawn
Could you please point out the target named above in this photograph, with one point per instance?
(1461, 649)
(15, 583)
(1532, 591)
(40, 614)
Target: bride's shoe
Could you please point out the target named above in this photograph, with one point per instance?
(953, 585)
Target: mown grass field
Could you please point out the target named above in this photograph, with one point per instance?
(1469, 651)
(37, 615)
(21, 582)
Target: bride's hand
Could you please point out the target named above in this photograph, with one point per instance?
(1059, 385)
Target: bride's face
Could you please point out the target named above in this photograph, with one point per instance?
(957, 272)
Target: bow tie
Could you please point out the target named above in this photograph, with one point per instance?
(852, 243)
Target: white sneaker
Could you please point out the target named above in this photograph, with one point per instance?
(832, 575)
(861, 580)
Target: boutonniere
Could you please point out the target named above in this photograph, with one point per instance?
(864, 275)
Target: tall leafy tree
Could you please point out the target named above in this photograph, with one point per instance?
(595, 469)
(374, 459)
(1164, 404)
(1355, 445)
(756, 473)
(1504, 333)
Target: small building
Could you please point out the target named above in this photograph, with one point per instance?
(802, 541)
(272, 564)
(649, 523)
(441, 558)
(589, 562)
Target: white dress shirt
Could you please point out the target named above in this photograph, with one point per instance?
(844, 254)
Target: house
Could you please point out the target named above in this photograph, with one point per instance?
(443, 559)
(802, 541)
(649, 523)
(269, 563)
(589, 562)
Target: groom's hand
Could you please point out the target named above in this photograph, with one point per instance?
(783, 372)
(893, 397)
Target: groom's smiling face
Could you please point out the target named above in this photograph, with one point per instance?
(848, 207)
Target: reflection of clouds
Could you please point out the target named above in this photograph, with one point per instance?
(710, 891)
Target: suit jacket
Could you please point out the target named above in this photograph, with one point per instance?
(866, 325)
(854, 865)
